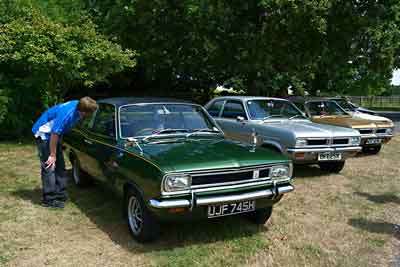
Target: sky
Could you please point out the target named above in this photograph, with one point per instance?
(396, 77)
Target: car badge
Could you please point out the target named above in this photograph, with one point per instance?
(254, 141)
(256, 174)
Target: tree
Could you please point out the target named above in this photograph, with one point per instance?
(270, 44)
(42, 59)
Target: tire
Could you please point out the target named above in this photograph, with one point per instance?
(260, 216)
(80, 178)
(333, 167)
(141, 223)
(373, 150)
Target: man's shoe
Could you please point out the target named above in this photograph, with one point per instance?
(63, 199)
(58, 204)
(53, 204)
(46, 204)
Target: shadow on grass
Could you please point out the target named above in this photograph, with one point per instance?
(381, 199)
(32, 195)
(376, 227)
(307, 171)
(104, 209)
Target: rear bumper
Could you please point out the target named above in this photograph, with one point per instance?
(310, 155)
(197, 201)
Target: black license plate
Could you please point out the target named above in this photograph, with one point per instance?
(373, 141)
(231, 208)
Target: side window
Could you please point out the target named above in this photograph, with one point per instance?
(215, 108)
(105, 120)
(233, 109)
(87, 122)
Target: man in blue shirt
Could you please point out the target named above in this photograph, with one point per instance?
(48, 131)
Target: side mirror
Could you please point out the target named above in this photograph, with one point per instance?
(240, 119)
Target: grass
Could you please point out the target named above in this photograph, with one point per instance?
(346, 219)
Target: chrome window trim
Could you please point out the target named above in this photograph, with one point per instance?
(90, 130)
(234, 100)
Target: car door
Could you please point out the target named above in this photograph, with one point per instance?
(234, 121)
(102, 147)
(81, 142)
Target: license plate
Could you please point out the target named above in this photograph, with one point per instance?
(373, 141)
(324, 156)
(231, 208)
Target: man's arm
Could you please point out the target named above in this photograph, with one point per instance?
(51, 161)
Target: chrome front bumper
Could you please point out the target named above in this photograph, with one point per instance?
(328, 149)
(212, 200)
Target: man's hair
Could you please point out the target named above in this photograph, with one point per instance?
(87, 104)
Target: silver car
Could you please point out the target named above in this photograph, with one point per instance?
(278, 124)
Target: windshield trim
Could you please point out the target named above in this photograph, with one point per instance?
(164, 103)
(352, 109)
(333, 101)
(273, 118)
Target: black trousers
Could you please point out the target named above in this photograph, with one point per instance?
(54, 181)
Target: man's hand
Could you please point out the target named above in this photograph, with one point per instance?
(51, 162)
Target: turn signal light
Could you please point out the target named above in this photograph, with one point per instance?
(300, 155)
(177, 210)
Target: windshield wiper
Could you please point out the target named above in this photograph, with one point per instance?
(271, 116)
(205, 130)
(169, 130)
(295, 116)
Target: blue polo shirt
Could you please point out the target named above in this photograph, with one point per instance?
(58, 119)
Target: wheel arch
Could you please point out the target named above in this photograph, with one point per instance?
(273, 145)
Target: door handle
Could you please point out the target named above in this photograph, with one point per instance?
(88, 142)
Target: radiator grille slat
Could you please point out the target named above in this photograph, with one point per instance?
(341, 141)
(215, 178)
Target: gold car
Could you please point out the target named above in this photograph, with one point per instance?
(373, 132)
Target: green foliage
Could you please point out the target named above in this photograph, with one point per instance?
(268, 44)
(42, 59)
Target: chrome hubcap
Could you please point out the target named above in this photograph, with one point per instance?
(135, 215)
(76, 172)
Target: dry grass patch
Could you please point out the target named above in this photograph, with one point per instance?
(347, 219)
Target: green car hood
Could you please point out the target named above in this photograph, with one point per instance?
(206, 154)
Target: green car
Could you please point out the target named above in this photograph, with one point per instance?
(169, 161)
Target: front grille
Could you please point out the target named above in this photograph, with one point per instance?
(365, 131)
(341, 141)
(317, 142)
(381, 131)
(215, 178)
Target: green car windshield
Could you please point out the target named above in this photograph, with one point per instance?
(325, 108)
(262, 109)
(141, 120)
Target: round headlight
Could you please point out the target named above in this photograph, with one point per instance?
(177, 182)
(355, 140)
(389, 131)
(280, 172)
(300, 142)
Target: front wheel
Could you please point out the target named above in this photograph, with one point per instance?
(260, 216)
(334, 167)
(142, 225)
